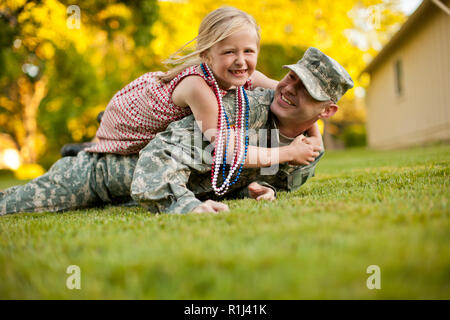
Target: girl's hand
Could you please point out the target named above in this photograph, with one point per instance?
(314, 136)
(315, 141)
(259, 192)
(302, 151)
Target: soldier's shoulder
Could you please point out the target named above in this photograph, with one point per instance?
(262, 96)
(184, 123)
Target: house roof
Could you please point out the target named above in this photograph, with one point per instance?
(416, 18)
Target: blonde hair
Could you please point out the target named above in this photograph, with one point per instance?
(216, 26)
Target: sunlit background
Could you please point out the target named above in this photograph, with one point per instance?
(60, 64)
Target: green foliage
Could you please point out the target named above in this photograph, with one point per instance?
(145, 13)
(354, 135)
(145, 20)
(273, 56)
(84, 67)
(385, 208)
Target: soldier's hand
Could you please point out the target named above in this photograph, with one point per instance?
(211, 206)
(259, 192)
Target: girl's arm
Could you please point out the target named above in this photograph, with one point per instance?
(193, 92)
(314, 136)
(261, 80)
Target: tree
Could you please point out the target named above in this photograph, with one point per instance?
(54, 78)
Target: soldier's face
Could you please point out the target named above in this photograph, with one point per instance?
(293, 102)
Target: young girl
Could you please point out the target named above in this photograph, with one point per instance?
(225, 58)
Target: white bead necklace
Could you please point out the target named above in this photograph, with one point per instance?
(222, 137)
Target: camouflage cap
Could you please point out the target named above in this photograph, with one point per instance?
(323, 77)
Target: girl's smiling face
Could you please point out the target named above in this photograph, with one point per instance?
(233, 60)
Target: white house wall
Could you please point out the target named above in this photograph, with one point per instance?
(421, 114)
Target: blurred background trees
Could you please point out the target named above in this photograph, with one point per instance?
(59, 67)
(57, 75)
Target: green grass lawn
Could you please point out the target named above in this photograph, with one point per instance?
(363, 208)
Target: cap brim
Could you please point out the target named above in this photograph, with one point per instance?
(311, 83)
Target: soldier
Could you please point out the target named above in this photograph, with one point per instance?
(167, 176)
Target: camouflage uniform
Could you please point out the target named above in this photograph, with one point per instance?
(87, 180)
(173, 173)
(168, 175)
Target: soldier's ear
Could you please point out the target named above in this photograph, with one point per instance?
(329, 111)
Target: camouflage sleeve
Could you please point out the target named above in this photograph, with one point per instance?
(291, 178)
(238, 193)
(296, 176)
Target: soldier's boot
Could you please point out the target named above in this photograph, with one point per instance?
(72, 149)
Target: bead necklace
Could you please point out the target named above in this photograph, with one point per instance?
(223, 136)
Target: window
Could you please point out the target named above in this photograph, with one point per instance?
(398, 77)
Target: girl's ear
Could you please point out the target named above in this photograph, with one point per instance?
(205, 57)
